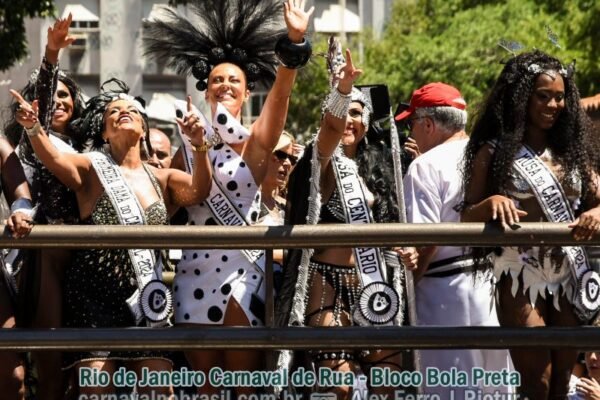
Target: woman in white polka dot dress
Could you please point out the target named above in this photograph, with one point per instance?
(226, 287)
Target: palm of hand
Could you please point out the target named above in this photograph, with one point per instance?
(57, 39)
(295, 17)
(297, 20)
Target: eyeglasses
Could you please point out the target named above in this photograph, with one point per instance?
(282, 156)
(409, 123)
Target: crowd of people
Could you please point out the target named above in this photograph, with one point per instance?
(530, 155)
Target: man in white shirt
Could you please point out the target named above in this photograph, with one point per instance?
(447, 291)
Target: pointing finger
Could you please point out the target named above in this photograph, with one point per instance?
(189, 104)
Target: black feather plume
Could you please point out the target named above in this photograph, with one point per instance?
(242, 32)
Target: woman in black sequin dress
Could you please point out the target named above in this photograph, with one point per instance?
(98, 282)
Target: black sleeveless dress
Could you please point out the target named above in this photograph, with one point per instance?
(99, 281)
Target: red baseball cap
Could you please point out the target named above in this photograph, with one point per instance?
(433, 95)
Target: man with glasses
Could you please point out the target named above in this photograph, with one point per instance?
(447, 291)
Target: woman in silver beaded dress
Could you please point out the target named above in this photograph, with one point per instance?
(322, 288)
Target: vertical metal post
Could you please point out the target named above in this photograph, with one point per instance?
(408, 275)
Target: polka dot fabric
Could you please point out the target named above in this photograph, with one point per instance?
(206, 280)
(227, 127)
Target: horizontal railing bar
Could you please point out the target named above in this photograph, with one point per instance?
(193, 338)
(261, 237)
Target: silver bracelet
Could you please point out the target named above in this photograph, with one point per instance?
(337, 104)
(34, 130)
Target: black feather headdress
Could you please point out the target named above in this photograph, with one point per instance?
(241, 32)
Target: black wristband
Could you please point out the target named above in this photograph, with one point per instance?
(293, 55)
(49, 66)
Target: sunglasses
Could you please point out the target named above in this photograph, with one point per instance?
(409, 123)
(282, 156)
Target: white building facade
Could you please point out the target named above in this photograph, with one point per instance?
(108, 44)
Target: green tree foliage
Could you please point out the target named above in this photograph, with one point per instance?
(309, 91)
(12, 27)
(456, 41)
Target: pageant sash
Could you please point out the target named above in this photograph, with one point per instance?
(378, 302)
(554, 203)
(228, 129)
(152, 299)
(223, 128)
(227, 214)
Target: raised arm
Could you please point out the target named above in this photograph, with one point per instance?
(185, 190)
(271, 121)
(47, 80)
(334, 121)
(70, 169)
(58, 38)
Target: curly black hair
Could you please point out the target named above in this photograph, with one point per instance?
(90, 126)
(14, 131)
(375, 166)
(503, 118)
(374, 162)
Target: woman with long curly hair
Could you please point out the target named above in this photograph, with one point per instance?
(531, 157)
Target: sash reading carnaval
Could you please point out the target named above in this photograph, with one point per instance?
(369, 259)
(219, 204)
(555, 205)
(129, 212)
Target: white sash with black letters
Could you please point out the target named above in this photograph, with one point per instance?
(378, 302)
(219, 204)
(152, 298)
(227, 214)
(556, 207)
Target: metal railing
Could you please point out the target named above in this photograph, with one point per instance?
(320, 236)
(272, 237)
